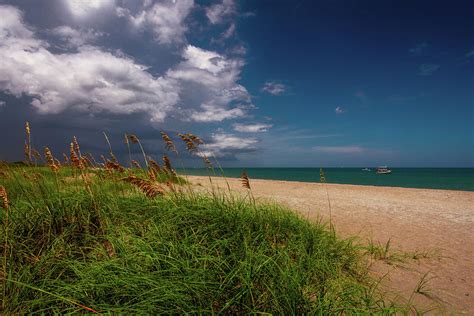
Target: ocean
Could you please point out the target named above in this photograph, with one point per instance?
(427, 178)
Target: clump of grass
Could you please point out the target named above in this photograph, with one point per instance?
(99, 245)
(384, 252)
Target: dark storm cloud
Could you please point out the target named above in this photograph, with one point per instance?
(81, 68)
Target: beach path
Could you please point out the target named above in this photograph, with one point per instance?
(437, 224)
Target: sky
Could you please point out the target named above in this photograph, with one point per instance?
(264, 83)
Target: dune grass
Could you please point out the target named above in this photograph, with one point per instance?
(116, 251)
(92, 237)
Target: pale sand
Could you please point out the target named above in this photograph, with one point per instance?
(414, 219)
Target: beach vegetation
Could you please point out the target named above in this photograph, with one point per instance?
(84, 236)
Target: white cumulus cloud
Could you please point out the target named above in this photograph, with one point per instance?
(224, 145)
(252, 128)
(75, 37)
(339, 110)
(214, 79)
(90, 80)
(202, 87)
(212, 113)
(166, 19)
(82, 8)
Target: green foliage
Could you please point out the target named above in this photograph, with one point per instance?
(112, 250)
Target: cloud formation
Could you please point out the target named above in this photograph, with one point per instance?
(339, 110)
(213, 78)
(166, 19)
(75, 38)
(212, 113)
(227, 145)
(252, 128)
(83, 8)
(274, 88)
(427, 69)
(91, 79)
(218, 12)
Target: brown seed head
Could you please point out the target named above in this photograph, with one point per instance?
(167, 165)
(154, 165)
(4, 197)
(134, 139)
(76, 146)
(245, 180)
(195, 139)
(26, 151)
(168, 142)
(50, 160)
(75, 161)
(27, 129)
(110, 165)
(152, 174)
(190, 146)
(136, 164)
(151, 189)
(207, 162)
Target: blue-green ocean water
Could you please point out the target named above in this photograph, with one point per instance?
(429, 178)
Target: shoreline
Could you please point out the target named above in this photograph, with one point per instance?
(424, 221)
(329, 183)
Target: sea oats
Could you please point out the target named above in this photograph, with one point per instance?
(152, 174)
(26, 151)
(110, 165)
(168, 142)
(136, 164)
(134, 139)
(195, 139)
(4, 197)
(50, 160)
(190, 145)
(154, 165)
(245, 180)
(27, 129)
(151, 189)
(167, 165)
(76, 146)
(75, 161)
(28, 142)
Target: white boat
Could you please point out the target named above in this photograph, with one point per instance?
(383, 170)
(366, 169)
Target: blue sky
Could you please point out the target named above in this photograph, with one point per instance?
(265, 83)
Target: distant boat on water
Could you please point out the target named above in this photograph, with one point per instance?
(366, 169)
(383, 170)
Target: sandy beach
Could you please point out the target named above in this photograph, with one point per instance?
(438, 223)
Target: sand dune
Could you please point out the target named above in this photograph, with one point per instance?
(437, 222)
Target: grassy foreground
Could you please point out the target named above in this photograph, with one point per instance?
(110, 249)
